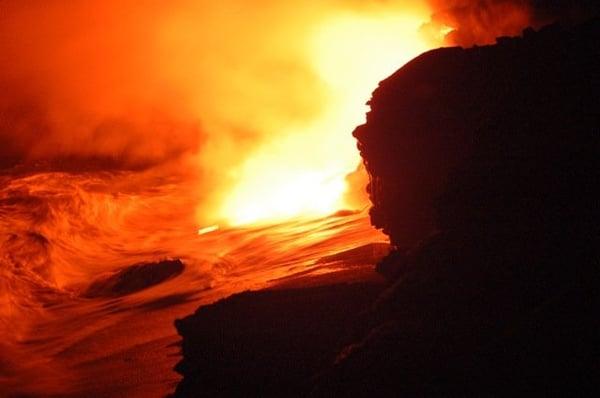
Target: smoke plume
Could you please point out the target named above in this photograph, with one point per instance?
(471, 22)
(194, 84)
(137, 84)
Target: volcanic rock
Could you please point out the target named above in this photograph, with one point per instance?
(483, 165)
(268, 343)
(134, 278)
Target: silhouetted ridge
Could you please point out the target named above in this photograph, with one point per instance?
(267, 343)
(458, 133)
(483, 166)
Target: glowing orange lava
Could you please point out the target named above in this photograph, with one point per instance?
(302, 171)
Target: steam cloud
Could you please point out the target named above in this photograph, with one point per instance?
(77, 83)
(133, 85)
(137, 85)
(473, 22)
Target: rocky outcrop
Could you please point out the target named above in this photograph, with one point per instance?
(500, 129)
(134, 278)
(268, 343)
(483, 166)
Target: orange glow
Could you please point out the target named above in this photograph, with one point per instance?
(139, 131)
(468, 22)
(209, 229)
(255, 103)
(301, 170)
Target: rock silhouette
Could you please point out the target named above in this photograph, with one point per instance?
(134, 278)
(483, 166)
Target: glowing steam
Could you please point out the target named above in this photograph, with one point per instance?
(470, 22)
(253, 103)
(302, 170)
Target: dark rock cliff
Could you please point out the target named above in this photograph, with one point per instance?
(484, 165)
(484, 134)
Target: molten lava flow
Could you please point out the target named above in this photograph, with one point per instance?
(302, 171)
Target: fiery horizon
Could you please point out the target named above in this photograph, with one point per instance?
(253, 105)
(213, 136)
(302, 170)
